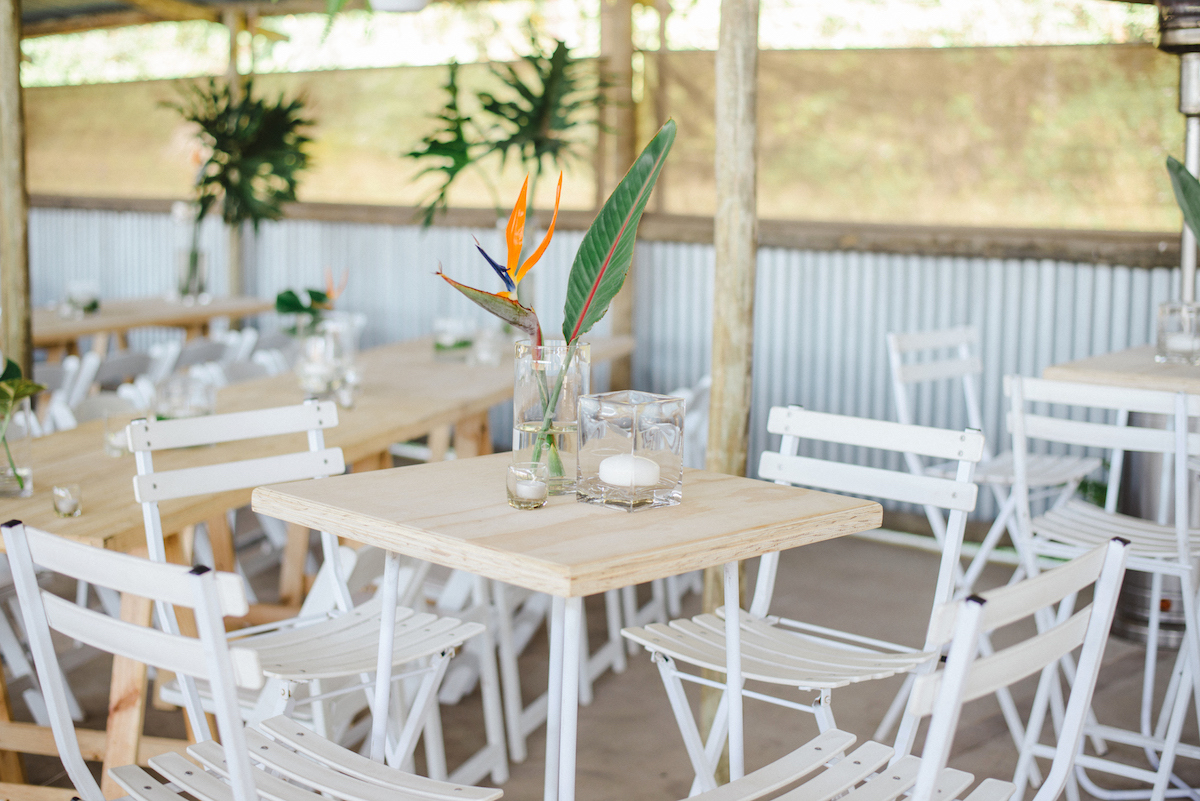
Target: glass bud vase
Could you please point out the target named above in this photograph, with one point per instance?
(630, 450)
(18, 453)
(542, 373)
(1178, 333)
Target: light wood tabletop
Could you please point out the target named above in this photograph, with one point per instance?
(456, 514)
(118, 317)
(1134, 367)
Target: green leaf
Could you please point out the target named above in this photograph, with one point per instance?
(1187, 193)
(506, 309)
(606, 252)
(11, 370)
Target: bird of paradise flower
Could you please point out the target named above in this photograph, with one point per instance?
(597, 274)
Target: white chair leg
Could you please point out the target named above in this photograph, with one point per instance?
(510, 677)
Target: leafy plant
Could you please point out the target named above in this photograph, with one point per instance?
(13, 389)
(255, 152)
(597, 274)
(531, 120)
(309, 305)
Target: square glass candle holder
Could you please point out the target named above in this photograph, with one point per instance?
(1178, 333)
(630, 450)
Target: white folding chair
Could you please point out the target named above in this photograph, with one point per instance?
(789, 653)
(875, 772)
(1101, 420)
(288, 651)
(278, 759)
(931, 356)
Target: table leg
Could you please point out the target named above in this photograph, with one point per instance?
(572, 639)
(127, 701)
(472, 437)
(733, 672)
(554, 698)
(11, 769)
(291, 568)
(383, 665)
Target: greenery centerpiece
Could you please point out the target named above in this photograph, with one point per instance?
(255, 151)
(14, 389)
(597, 274)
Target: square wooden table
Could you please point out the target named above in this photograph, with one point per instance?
(1133, 367)
(456, 514)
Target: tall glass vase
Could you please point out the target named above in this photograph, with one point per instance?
(544, 380)
(18, 454)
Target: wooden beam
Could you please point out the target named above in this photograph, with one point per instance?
(175, 10)
(616, 53)
(735, 242)
(16, 336)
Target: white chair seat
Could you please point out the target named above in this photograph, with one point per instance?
(1045, 470)
(774, 655)
(1084, 525)
(309, 764)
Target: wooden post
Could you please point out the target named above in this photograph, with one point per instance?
(616, 52)
(735, 240)
(661, 101)
(16, 334)
(236, 22)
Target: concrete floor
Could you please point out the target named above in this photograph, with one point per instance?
(629, 747)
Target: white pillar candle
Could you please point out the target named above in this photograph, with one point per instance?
(531, 490)
(627, 470)
(1179, 341)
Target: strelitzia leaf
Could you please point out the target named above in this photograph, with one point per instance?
(606, 252)
(506, 309)
(1187, 193)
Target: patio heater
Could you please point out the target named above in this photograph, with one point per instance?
(1179, 32)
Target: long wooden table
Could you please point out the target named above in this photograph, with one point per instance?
(117, 317)
(456, 514)
(405, 393)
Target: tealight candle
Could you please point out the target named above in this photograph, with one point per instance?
(67, 500)
(628, 470)
(531, 490)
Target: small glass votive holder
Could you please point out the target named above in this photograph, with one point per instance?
(115, 442)
(68, 500)
(630, 450)
(528, 485)
(1178, 333)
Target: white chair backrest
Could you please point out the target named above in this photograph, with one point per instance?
(956, 495)
(1106, 409)
(918, 357)
(116, 368)
(199, 351)
(210, 595)
(968, 676)
(163, 356)
(52, 375)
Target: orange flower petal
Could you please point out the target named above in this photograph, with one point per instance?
(516, 229)
(537, 254)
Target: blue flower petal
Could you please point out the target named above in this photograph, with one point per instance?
(500, 271)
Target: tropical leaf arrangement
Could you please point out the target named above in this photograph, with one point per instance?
(1187, 192)
(533, 118)
(255, 151)
(597, 274)
(308, 306)
(13, 388)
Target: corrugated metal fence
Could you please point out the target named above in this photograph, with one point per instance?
(820, 321)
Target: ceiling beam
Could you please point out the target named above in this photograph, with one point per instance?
(144, 14)
(175, 10)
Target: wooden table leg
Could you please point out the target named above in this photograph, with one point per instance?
(220, 539)
(439, 443)
(126, 701)
(291, 569)
(11, 769)
(472, 436)
(56, 353)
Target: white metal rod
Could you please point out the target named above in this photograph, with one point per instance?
(572, 638)
(733, 672)
(554, 695)
(383, 665)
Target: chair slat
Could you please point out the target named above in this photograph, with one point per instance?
(126, 573)
(782, 772)
(872, 481)
(1098, 435)
(934, 340)
(937, 443)
(1074, 393)
(919, 372)
(188, 481)
(152, 435)
(183, 655)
